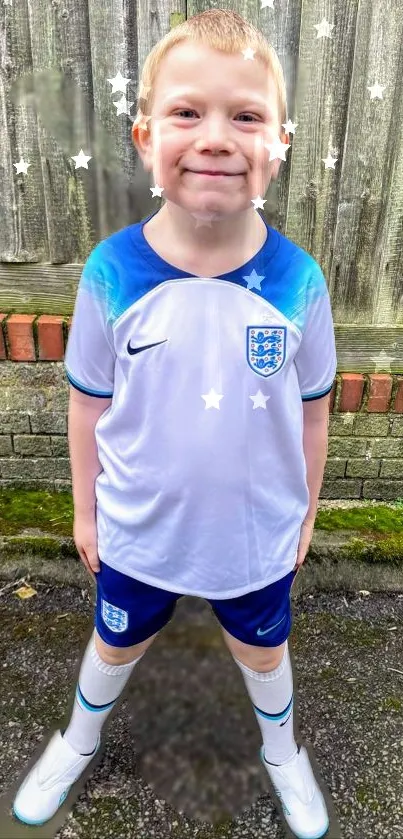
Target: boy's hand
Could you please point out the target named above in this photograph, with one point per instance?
(304, 542)
(85, 538)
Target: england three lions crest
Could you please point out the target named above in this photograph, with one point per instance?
(116, 619)
(265, 348)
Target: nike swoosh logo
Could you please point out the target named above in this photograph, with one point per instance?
(259, 632)
(132, 351)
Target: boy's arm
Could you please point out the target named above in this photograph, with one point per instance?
(315, 444)
(84, 413)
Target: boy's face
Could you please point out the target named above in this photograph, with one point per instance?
(211, 111)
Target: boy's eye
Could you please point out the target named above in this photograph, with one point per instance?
(191, 111)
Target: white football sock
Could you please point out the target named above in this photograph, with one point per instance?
(272, 698)
(99, 686)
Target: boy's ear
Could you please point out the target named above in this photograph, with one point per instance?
(142, 140)
(285, 138)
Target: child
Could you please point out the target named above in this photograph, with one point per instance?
(204, 332)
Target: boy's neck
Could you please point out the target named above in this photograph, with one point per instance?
(231, 233)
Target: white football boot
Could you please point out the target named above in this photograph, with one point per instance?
(48, 783)
(302, 802)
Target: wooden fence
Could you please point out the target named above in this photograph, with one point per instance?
(56, 57)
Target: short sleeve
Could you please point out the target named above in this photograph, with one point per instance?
(90, 357)
(316, 359)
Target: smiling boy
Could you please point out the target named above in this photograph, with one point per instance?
(178, 148)
(204, 332)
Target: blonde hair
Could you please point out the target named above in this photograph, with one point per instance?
(223, 30)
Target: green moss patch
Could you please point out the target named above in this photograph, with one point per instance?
(366, 796)
(375, 548)
(375, 520)
(53, 512)
(22, 634)
(349, 632)
(392, 704)
(108, 813)
(47, 625)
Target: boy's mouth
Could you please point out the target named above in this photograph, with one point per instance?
(216, 174)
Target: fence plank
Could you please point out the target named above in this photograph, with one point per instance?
(349, 218)
(363, 278)
(23, 228)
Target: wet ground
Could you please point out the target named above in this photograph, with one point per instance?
(180, 756)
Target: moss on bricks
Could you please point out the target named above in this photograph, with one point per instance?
(43, 546)
(53, 512)
(375, 519)
(375, 549)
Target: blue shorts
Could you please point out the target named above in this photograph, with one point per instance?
(128, 611)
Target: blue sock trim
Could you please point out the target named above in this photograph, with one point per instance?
(89, 706)
(275, 717)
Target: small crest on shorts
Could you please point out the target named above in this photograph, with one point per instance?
(116, 619)
(265, 348)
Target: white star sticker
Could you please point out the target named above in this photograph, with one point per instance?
(119, 84)
(376, 91)
(259, 400)
(290, 127)
(212, 399)
(330, 161)
(258, 202)
(156, 190)
(382, 361)
(348, 419)
(254, 280)
(266, 318)
(81, 160)
(123, 106)
(203, 219)
(21, 166)
(324, 28)
(200, 222)
(248, 54)
(277, 149)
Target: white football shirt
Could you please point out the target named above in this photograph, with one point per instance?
(203, 489)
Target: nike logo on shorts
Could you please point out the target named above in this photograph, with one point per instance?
(261, 632)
